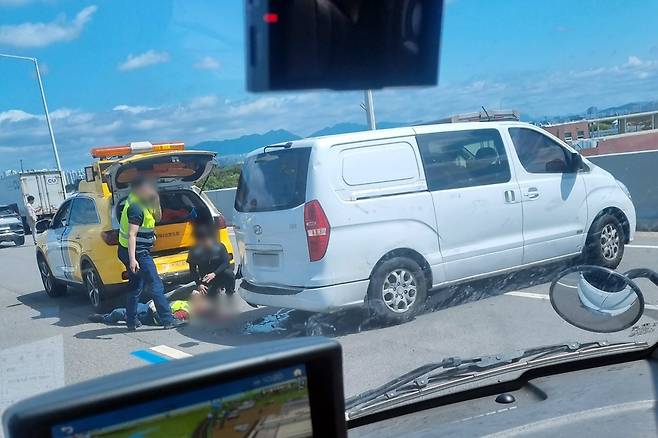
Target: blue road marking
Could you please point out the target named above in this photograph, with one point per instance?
(149, 356)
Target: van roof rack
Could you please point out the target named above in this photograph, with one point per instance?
(480, 116)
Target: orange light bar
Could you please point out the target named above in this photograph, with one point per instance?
(136, 148)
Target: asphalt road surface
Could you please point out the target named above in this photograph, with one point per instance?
(46, 343)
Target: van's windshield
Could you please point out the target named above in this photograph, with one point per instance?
(273, 180)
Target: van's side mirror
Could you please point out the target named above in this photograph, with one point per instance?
(42, 225)
(576, 162)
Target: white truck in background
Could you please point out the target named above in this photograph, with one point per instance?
(44, 185)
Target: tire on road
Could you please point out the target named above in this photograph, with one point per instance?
(397, 290)
(19, 241)
(53, 287)
(605, 242)
(94, 287)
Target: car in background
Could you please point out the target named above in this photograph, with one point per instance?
(379, 218)
(79, 246)
(11, 225)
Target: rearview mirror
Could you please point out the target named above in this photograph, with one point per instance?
(42, 225)
(596, 299)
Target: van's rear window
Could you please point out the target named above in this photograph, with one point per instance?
(274, 180)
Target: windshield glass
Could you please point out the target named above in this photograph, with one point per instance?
(7, 211)
(410, 224)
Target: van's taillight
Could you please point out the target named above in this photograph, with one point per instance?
(318, 230)
(220, 222)
(110, 237)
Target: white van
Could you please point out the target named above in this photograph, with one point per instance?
(378, 218)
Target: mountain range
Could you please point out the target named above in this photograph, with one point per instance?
(233, 150)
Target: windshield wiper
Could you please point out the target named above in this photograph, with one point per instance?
(454, 371)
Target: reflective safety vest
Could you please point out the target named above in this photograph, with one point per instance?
(180, 305)
(146, 233)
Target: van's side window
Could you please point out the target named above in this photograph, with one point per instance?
(459, 159)
(538, 153)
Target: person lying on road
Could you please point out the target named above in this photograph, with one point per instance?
(146, 314)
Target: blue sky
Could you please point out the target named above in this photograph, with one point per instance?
(117, 71)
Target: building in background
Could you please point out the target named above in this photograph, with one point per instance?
(612, 134)
(73, 177)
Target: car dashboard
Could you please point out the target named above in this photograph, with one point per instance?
(609, 401)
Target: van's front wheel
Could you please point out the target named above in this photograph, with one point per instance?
(397, 290)
(605, 242)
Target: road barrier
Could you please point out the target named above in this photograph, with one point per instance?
(224, 200)
(635, 169)
(638, 171)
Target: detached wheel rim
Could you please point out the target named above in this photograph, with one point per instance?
(399, 290)
(610, 242)
(93, 288)
(45, 276)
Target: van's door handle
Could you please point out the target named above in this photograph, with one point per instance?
(510, 196)
(76, 237)
(532, 193)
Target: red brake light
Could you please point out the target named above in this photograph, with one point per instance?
(271, 18)
(318, 230)
(220, 222)
(110, 237)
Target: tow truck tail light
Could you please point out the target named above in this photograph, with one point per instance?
(318, 230)
(137, 147)
(110, 237)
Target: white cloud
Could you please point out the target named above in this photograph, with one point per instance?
(145, 59)
(208, 117)
(634, 61)
(138, 109)
(203, 102)
(43, 34)
(207, 63)
(14, 115)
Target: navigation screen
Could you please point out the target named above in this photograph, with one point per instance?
(270, 405)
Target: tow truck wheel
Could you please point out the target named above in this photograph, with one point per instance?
(51, 285)
(94, 287)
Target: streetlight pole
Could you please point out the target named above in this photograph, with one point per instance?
(369, 107)
(45, 108)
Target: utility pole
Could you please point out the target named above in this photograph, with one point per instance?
(22, 166)
(369, 108)
(45, 108)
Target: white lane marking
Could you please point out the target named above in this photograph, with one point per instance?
(527, 295)
(642, 246)
(170, 352)
(567, 285)
(546, 297)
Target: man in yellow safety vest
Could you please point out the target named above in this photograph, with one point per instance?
(136, 238)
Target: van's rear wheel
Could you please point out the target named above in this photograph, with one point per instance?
(605, 242)
(397, 290)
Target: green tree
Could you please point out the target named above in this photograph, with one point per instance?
(223, 177)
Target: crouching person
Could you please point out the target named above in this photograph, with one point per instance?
(210, 264)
